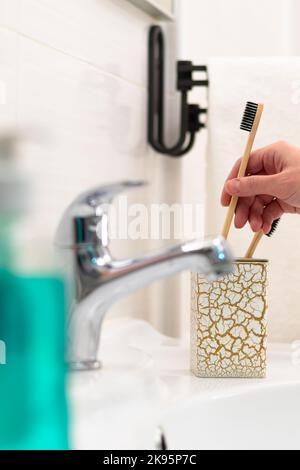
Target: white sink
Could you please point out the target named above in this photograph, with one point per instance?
(258, 419)
(146, 384)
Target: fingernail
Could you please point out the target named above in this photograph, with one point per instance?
(234, 186)
(256, 226)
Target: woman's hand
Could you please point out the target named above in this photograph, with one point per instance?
(271, 188)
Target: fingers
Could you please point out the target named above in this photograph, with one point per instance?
(266, 160)
(225, 197)
(242, 212)
(254, 186)
(255, 165)
(272, 212)
(255, 214)
(259, 212)
(268, 177)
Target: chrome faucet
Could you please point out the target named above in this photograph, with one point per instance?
(99, 280)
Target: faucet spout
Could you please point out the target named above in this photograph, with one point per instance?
(101, 280)
(102, 284)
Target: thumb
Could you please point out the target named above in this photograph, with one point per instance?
(254, 185)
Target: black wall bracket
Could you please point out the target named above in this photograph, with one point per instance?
(190, 120)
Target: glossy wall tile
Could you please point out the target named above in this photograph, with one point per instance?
(74, 76)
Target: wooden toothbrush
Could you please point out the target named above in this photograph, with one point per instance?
(258, 236)
(250, 123)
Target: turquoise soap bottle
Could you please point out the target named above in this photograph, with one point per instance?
(33, 399)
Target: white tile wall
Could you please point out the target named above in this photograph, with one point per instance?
(233, 27)
(8, 78)
(166, 4)
(217, 28)
(107, 34)
(8, 13)
(159, 8)
(75, 73)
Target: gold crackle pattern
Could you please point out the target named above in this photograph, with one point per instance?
(228, 328)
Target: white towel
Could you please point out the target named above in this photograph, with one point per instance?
(276, 83)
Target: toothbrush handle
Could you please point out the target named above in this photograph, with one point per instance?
(229, 217)
(255, 241)
(242, 172)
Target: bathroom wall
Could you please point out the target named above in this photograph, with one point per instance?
(73, 80)
(219, 28)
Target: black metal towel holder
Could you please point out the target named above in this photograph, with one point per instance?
(190, 121)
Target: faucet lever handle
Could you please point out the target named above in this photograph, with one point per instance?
(89, 204)
(100, 195)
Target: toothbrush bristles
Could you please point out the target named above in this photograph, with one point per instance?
(249, 116)
(273, 228)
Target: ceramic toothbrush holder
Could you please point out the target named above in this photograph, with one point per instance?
(228, 327)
